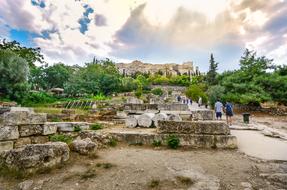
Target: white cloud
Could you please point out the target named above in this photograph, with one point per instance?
(183, 24)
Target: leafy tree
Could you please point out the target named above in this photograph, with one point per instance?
(31, 55)
(14, 72)
(214, 93)
(128, 84)
(194, 92)
(211, 74)
(57, 75)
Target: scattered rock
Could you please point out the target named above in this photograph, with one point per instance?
(25, 185)
(246, 185)
(83, 146)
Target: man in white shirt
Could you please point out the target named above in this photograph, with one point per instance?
(218, 109)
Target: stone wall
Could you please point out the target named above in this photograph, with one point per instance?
(21, 126)
(194, 127)
(168, 107)
(203, 115)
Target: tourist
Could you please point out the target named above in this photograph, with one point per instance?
(218, 109)
(199, 101)
(229, 113)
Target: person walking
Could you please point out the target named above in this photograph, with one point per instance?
(218, 107)
(229, 113)
(199, 101)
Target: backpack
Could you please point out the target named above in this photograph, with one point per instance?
(229, 108)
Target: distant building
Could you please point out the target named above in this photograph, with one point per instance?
(187, 68)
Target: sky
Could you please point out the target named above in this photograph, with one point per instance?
(153, 31)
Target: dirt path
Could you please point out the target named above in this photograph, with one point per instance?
(132, 168)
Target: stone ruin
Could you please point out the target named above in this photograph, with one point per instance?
(24, 140)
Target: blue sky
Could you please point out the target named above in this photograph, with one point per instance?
(162, 31)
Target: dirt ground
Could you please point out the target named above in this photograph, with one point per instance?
(136, 167)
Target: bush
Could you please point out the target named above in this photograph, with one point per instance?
(61, 138)
(96, 126)
(157, 91)
(173, 141)
(34, 98)
(77, 128)
(156, 143)
(113, 142)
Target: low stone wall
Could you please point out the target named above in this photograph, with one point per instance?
(194, 127)
(22, 126)
(186, 140)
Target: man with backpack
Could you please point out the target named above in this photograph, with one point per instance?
(229, 113)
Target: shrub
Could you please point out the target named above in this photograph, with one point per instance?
(154, 183)
(156, 143)
(61, 138)
(96, 126)
(173, 141)
(77, 128)
(113, 142)
(157, 91)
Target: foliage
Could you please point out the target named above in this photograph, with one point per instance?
(156, 143)
(34, 98)
(195, 91)
(211, 74)
(128, 84)
(113, 142)
(154, 183)
(173, 141)
(157, 91)
(77, 128)
(139, 92)
(61, 138)
(14, 72)
(31, 55)
(96, 126)
(215, 93)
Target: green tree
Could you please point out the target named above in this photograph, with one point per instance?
(57, 75)
(31, 55)
(194, 92)
(14, 72)
(211, 74)
(157, 91)
(215, 93)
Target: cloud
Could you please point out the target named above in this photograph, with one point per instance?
(153, 31)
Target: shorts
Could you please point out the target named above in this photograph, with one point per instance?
(218, 114)
(229, 113)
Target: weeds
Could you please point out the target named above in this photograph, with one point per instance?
(61, 138)
(96, 126)
(112, 142)
(154, 183)
(156, 143)
(173, 141)
(77, 128)
(185, 180)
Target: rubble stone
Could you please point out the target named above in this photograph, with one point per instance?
(31, 158)
(49, 128)
(69, 126)
(203, 115)
(22, 141)
(29, 130)
(83, 146)
(6, 145)
(8, 132)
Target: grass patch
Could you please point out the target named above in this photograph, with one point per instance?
(113, 142)
(105, 165)
(173, 141)
(156, 143)
(77, 128)
(154, 183)
(12, 173)
(185, 180)
(96, 126)
(90, 173)
(61, 138)
(56, 119)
